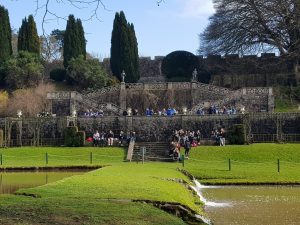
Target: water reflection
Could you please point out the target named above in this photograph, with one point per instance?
(13, 181)
(252, 205)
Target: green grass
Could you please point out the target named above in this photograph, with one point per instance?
(21, 210)
(60, 156)
(285, 105)
(105, 196)
(249, 164)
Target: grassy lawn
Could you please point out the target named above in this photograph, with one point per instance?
(60, 156)
(249, 164)
(21, 210)
(105, 196)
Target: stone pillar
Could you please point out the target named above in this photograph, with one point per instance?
(271, 100)
(123, 97)
(193, 94)
(72, 102)
(244, 91)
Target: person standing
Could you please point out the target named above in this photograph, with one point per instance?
(96, 138)
(110, 138)
(187, 147)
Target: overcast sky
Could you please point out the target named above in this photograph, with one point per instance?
(173, 25)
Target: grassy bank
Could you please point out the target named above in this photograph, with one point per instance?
(250, 164)
(257, 163)
(60, 156)
(103, 196)
(108, 195)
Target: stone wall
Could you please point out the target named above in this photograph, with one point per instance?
(264, 127)
(230, 71)
(277, 126)
(190, 95)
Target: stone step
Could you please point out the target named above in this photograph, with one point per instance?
(155, 151)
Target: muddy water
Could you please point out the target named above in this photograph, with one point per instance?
(12, 181)
(254, 205)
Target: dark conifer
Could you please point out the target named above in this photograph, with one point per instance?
(124, 51)
(74, 40)
(28, 39)
(5, 35)
(33, 38)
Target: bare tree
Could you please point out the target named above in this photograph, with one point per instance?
(252, 26)
(47, 7)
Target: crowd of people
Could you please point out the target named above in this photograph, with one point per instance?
(93, 113)
(171, 111)
(186, 139)
(101, 139)
(216, 110)
(219, 136)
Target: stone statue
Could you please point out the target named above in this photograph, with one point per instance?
(123, 75)
(195, 73)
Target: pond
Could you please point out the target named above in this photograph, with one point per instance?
(13, 181)
(252, 205)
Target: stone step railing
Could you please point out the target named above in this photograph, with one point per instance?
(237, 95)
(130, 150)
(92, 104)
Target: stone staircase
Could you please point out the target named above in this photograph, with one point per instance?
(155, 151)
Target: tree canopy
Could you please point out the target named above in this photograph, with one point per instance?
(74, 41)
(5, 35)
(23, 70)
(124, 49)
(252, 26)
(28, 39)
(179, 65)
(87, 74)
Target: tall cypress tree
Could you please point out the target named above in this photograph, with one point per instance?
(124, 51)
(74, 40)
(33, 38)
(22, 36)
(28, 39)
(134, 53)
(5, 35)
(5, 41)
(115, 55)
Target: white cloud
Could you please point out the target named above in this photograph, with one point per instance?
(197, 8)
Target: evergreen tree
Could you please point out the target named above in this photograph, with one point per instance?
(22, 36)
(74, 40)
(5, 41)
(134, 53)
(5, 35)
(33, 38)
(28, 39)
(124, 51)
(115, 60)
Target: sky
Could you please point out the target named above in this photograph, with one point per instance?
(173, 25)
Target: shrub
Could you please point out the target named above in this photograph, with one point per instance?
(23, 70)
(80, 139)
(58, 74)
(180, 64)
(87, 73)
(1, 138)
(236, 135)
(73, 137)
(3, 102)
(70, 136)
(31, 101)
